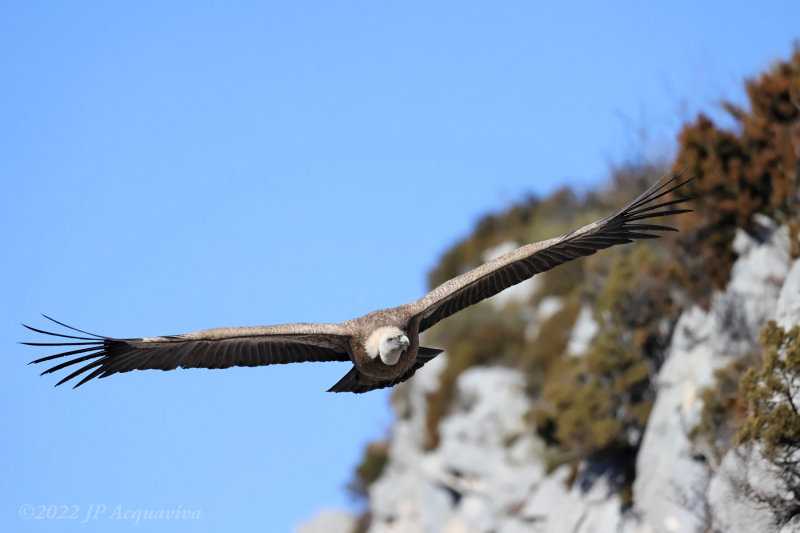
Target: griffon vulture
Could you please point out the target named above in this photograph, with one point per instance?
(382, 345)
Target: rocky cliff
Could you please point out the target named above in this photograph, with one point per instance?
(490, 473)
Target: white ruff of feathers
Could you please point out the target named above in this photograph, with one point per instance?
(376, 341)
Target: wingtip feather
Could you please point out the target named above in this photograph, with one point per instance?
(74, 329)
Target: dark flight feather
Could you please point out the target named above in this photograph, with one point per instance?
(109, 356)
(523, 263)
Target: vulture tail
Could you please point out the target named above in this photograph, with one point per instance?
(355, 381)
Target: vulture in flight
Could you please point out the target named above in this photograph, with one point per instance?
(382, 345)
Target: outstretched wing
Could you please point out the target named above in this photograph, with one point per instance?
(355, 381)
(523, 263)
(211, 348)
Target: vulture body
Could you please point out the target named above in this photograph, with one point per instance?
(382, 345)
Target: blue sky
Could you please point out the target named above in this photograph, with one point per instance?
(170, 167)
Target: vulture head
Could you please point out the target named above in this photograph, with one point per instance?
(388, 342)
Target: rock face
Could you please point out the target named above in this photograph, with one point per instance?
(482, 471)
(330, 522)
(671, 482)
(489, 472)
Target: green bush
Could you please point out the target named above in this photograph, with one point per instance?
(724, 407)
(773, 418)
(369, 469)
(541, 353)
(772, 392)
(591, 404)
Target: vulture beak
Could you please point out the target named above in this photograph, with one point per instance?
(400, 343)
